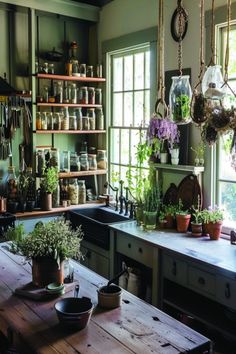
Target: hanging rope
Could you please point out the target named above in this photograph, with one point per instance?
(213, 49)
(202, 61)
(161, 74)
(180, 30)
(227, 41)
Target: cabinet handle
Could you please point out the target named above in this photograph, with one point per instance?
(201, 281)
(227, 290)
(174, 269)
(140, 250)
(129, 245)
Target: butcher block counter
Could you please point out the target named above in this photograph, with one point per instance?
(135, 327)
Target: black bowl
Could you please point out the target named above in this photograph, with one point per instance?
(74, 312)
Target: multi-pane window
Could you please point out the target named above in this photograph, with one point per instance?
(129, 106)
(226, 174)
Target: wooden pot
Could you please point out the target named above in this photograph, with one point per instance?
(182, 221)
(214, 230)
(46, 201)
(45, 270)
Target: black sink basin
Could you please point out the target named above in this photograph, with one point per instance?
(95, 223)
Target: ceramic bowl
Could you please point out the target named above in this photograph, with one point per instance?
(74, 312)
(110, 297)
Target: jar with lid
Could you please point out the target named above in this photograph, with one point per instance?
(44, 121)
(73, 97)
(11, 184)
(83, 95)
(73, 122)
(75, 68)
(84, 147)
(91, 95)
(45, 68)
(74, 162)
(92, 158)
(89, 71)
(85, 123)
(91, 115)
(65, 161)
(73, 191)
(98, 96)
(79, 118)
(82, 70)
(57, 121)
(40, 162)
(58, 92)
(65, 119)
(102, 159)
(51, 68)
(38, 121)
(54, 158)
(82, 192)
(99, 119)
(84, 164)
(50, 123)
(45, 94)
(180, 98)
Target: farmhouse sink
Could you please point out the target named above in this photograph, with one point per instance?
(95, 223)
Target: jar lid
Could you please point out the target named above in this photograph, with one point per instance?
(83, 87)
(91, 88)
(92, 155)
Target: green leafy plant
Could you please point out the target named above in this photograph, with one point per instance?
(181, 108)
(170, 209)
(197, 217)
(151, 197)
(54, 239)
(212, 214)
(162, 216)
(49, 181)
(199, 150)
(23, 184)
(180, 210)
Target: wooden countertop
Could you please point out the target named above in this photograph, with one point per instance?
(135, 327)
(219, 253)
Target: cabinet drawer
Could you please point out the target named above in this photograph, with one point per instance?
(174, 269)
(226, 291)
(201, 281)
(135, 249)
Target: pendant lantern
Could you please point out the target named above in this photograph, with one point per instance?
(180, 92)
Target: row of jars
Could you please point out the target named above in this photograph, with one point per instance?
(73, 190)
(12, 191)
(92, 119)
(70, 93)
(73, 68)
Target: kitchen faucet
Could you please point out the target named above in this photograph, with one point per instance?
(114, 189)
(121, 197)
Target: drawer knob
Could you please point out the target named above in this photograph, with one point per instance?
(140, 250)
(174, 269)
(227, 290)
(129, 245)
(201, 280)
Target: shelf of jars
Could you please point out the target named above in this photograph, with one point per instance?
(70, 78)
(69, 131)
(44, 104)
(82, 173)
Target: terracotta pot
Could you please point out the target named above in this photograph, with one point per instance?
(170, 221)
(45, 271)
(46, 201)
(196, 229)
(183, 221)
(214, 230)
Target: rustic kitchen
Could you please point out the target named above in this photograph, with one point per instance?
(117, 176)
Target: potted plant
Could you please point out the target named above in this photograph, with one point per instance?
(174, 153)
(213, 217)
(151, 204)
(182, 218)
(162, 220)
(199, 153)
(170, 211)
(48, 185)
(196, 223)
(48, 245)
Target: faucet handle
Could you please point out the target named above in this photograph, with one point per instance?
(105, 197)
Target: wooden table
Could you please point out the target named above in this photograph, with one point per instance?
(135, 327)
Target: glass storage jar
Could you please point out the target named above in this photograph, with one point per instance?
(57, 121)
(102, 159)
(66, 93)
(65, 161)
(99, 119)
(51, 68)
(91, 115)
(78, 113)
(59, 92)
(63, 189)
(212, 83)
(73, 192)
(73, 122)
(89, 71)
(54, 158)
(44, 121)
(91, 95)
(180, 99)
(85, 124)
(65, 119)
(50, 122)
(11, 184)
(74, 162)
(38, 121)
(92, 158)
(83, 94)
(56, 197)
(31, 190)
(98, 96)
(82, 69)
(75, 68)
(82, 192)
(40, 162)
(84, 164)
(45, 94)
(73, 98)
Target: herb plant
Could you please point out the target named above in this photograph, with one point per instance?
(49, 181)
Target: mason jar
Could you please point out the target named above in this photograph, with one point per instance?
(50, 123)
(82, 192)
(84, 163)
(91, 115)
(180, 99)
(73, 191)
(99, 119)
(92, 158)
(74, 162)
(83, 95)
(73, 98)
(102, 159)
(38, 121)
(44, 121)
(98, 96)
(85, 124)
(79, 118)
(57, 121)
(91, 95)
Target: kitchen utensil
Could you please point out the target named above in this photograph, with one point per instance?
(74, 312)
(125, 270)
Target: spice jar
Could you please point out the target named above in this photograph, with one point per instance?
(101, 159)
(84, 164)
(91, 95)
(82, 192)
(98, 96)
(73, 192)
(99, 119)
(12, 192)
(74, 162)
(91, 115)
(44, 124)
(38, 121)
(82, 70)
(79, 118)
(92, 162)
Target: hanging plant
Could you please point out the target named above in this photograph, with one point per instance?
(209, 134)
(220, 117)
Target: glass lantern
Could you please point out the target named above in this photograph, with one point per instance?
(180, 99)
(212, 83)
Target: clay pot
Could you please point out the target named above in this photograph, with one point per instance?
(46, 201)
(196, 229)
(45, 271)
(214, 230)
(182, 221)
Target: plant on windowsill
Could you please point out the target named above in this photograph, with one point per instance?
(213, 219)
(182, 218)
(169, 211)
(199, 154)
(151, 204)
(48, 245)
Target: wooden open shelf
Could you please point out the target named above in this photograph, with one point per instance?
(44, 104)
(70, 78)
(69, 131)
(81, 173)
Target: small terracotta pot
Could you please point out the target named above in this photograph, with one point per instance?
(214, 230)
(183, 221)
(196, 229)
(45, 271)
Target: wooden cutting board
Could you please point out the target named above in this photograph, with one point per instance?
(189, 191)
(171, 195)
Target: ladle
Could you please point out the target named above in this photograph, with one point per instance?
(125, 270)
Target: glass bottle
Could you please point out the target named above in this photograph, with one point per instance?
(66, 93)
(102, 159)
(180, 99)
(65, 161)
(45, 94)
(99, 119)
(98, 96)
(31, 190)
(56, 197)
(73, 191)
(51, 68)
(65, 119)
(59, 92)
(40, 162)
(82, 192)
(11, 184)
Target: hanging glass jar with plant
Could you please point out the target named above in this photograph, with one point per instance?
(180, 92)
(198, 101)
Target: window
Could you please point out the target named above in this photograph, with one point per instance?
(129, 105)
(226, 174)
